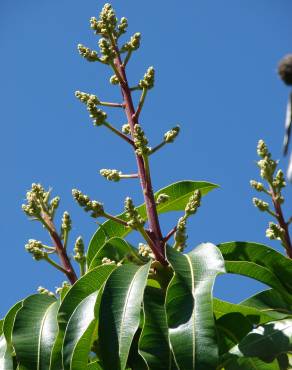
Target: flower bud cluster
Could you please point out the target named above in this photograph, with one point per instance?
(275, 231)
(79, 251)
(87, 53)
(170, 135)
(258, 186)
(66, 222)
(180, 237)
(96, 208)
(107, 22)
(107, 51)
(193, 203)
(36, 247)
(87, 98)
(111, 175)
(38, 202)
(133, 44)
(260, 204)
(162, 198)
(42, 290)
(135, 221)
(145, 251)
(148, 80)
(140, 141)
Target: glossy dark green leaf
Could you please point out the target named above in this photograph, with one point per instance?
(86, 285)
(154, 342)
(116, 249)
(34, 331)
(120, 313)
(189, 306)
(94, 366)
(249, 364)
(266, 341)
(179, 193)
(78, 334)
(261, 263)
(270, 302)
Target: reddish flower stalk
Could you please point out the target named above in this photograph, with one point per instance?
(145, 178)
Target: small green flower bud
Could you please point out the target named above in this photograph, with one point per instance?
(114, 80)
(133, 44)
(260, 204)
(122, 27)
(145, 251)
(285, 69)
(88, 54)
(96, 208)
(126, 129)
(267, 168)
(65, 285)
(170, 135)
(193, 203)
(54, 203)
(257, 185)
(98, 116)
(87, 98)
(180, 236)
(135, 221)
(162, 198)
(279, 181)
(66, 222)
(111, 175)
(148, 80)
(262, 149)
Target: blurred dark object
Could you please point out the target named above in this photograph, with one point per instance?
(285, 73)
(285, 69)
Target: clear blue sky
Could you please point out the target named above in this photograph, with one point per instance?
(216, 76)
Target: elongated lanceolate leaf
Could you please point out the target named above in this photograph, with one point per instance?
(178, 193)
(259, 262)
(82, 321)
(154, 342)
(88, 284)
(6, 359)
(252, 314)
(189, 306)
(120, 313)
(35, 329)
(269, 302)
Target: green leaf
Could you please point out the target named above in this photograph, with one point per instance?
(94, 366)
(178, 192)
(120, 313)
(34, 331)
(78, 334)
(266, 341)
(252, 314)
(154, 342)
(116, 249)
(249, 364)
(270, 302)
(189, 308)
(261, 263)
(86, 285)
